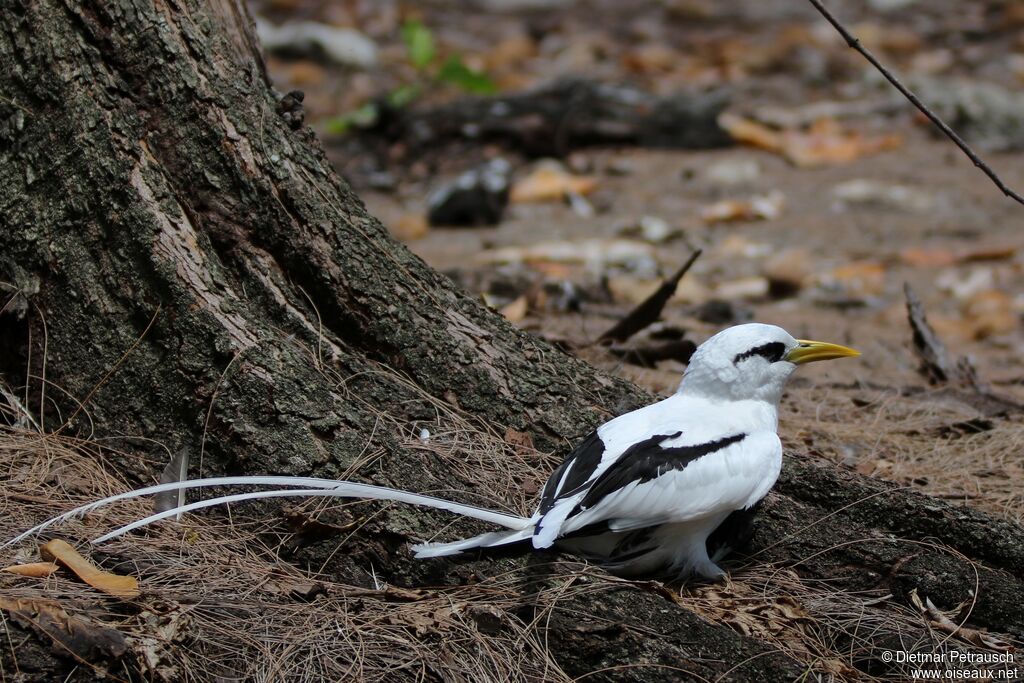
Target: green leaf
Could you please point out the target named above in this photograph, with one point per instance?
(419, 42)
(403, 95)
(364, 117)
(455, 72)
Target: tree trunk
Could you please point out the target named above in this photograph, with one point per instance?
(190, 267)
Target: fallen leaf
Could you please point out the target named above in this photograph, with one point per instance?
(305, 74)
(85, 639)
(551, 183)
(631, 290)
(927, 258)
(941, 621)
(989, 312)
(521, 441)
(517, 310)
(509, 53)
(35, 570)
(763, 207)
(823, 143)
(651, 59)
(112, 584)
(599, 254)
(857, 279)
(411, 226)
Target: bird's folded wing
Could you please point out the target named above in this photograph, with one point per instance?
(663, 479)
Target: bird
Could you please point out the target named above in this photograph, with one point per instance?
(641, 495)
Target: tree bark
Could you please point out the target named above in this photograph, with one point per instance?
(191, 268)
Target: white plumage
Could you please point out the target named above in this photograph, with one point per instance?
(641, 494)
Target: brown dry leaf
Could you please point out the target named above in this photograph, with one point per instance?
(858, 278)
(764, 207)
(652, 58)
(35, 570)
(866, 467)
(411, 226)
(550, 183)
(941, 621)
(517, 310)
(112, 584)
(631, 290)
(509, 53)
(939, 257)
(306, 74)
(927, 258)
(81, 637)
(990, 253)
(521, 441)
(989, 312)
(824, 143)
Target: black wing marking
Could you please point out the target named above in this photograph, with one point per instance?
(583, 460)
(647, 460)
(772, 352)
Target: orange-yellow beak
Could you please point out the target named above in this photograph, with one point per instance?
(810, 351)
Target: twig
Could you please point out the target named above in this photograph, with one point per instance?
(649, 309)
(932, 116)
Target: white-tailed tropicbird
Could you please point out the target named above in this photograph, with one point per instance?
(643, 492)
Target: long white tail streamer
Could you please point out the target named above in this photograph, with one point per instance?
(338, 488)
(210, 502)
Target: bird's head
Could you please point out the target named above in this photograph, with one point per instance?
(752, 362)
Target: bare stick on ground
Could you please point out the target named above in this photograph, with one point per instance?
(853, 42)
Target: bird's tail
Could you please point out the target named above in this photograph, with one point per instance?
(294, 486)
(491, 540)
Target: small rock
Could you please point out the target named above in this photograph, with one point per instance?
(965, 285)
(884, 6)
(733, 172)
(579, 205)
(620, 167)
(477, 197)
(984, 114)
(344, 46)
(721, 312)
(787, 272)
(651, 229)
(865, 192)
(744, 288)
(762, 207)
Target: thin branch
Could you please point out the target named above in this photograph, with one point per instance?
(932, 116)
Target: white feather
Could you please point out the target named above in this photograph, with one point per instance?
(338, 488)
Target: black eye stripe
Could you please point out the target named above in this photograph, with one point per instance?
(772, 352)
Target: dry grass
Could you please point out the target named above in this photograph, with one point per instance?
(217, 599)
(923, 440)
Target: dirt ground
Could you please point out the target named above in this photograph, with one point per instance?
(848, 235)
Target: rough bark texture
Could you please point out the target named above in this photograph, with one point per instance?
(160, 218)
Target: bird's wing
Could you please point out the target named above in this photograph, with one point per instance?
(665, 478)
